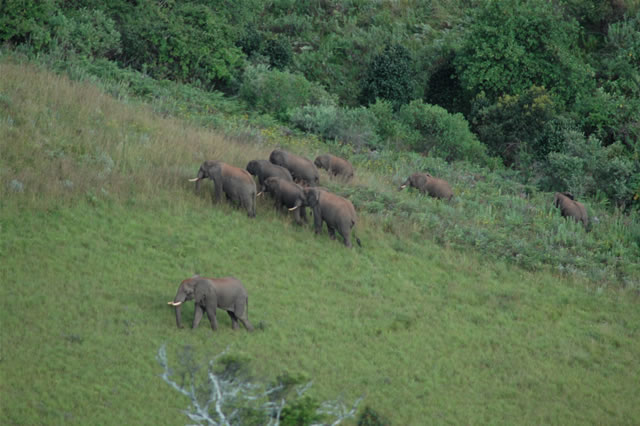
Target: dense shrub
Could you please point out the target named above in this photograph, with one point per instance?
(27, 21)
(187, 42)
(279, 92)
(511, 126)
(513, 44)
(389, 76)
(278, 50)
(584, 167)
(354, 126)
(87, 33)
(438, 133)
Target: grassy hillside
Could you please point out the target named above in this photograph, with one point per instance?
(98, 225)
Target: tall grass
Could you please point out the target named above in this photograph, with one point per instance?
(98, 225)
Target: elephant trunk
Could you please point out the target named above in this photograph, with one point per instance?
(178, 315)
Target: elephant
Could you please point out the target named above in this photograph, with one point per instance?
(336, 166)
(265, 169)
(302, 169)
(337, 212)
(237, 184)
(208, 294)
(426, 183)
(571, 208)
(288, 195)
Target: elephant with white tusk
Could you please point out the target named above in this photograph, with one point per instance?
(209, 294)
(425, 183)
(237, 184)
(287, 195)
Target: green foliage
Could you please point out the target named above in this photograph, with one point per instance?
(279, 92)
(27, 21)
(353, 126)
(389, 77)
(187, 42)
(87, 33)
(278, 50)
(513, 124)
(441, 134)
(370, 417)
(513, 45)
(301, 412)
(584, 167)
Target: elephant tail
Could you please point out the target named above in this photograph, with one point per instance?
(357, 240)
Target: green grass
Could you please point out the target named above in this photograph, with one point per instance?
(429, 334)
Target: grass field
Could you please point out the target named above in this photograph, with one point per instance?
(98, 226)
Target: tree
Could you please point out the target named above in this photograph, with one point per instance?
(512, 45)
(389, 77)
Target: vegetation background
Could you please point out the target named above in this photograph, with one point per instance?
(491, 308)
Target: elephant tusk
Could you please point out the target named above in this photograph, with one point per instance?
(259, 194)
(194, 180)
(293, 208)
(403, 186)
(174, 303)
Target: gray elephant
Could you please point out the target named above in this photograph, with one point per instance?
(209, 294)
(237, 184)
(302, 169)
(570, 207)
(337, 212)
(287, 195)
(336, 166)
(265, 169)
(425, 183)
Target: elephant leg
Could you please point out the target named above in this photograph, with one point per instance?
(246, 323)
(211, 313)
(197, 316)
(347, 238)
(234, 320)
(296, 216)
(332, 232)
(303, 214)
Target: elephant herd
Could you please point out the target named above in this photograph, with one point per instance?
(292, 182)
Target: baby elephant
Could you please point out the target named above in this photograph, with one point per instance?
(426, 183)
(210, 293)
(336, 166)
(571, 208)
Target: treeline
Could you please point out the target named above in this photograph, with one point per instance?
(548, 88)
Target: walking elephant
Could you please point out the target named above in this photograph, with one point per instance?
(571, 208)
(425, 183)
(302, 169)
(237, 184)
(336, 166)
(337, 212)
(287, 195)
(209, 294)
(265, 169)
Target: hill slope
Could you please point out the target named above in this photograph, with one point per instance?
(98, 226)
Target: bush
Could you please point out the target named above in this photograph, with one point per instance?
(186, 42)
(356, 126)
(514, 44)
(279, 52)
(27, 21)
(584, 167)
(280, 92)
(441, 134)
(512, 125)
(87, 33)
(389, 77)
